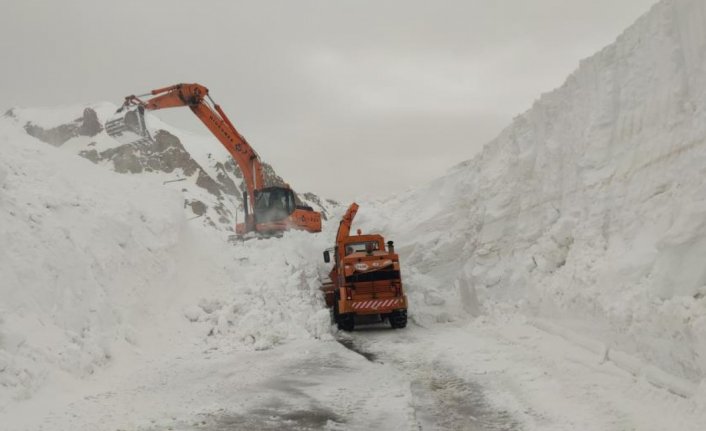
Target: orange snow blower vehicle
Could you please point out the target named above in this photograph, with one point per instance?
(268, 210)
(365, 284)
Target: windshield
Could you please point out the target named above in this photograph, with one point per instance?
(355, 247)
(273, 204)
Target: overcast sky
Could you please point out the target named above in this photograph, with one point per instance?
(344, 98)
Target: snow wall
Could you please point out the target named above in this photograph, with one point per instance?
(77, 252)
(589, 210)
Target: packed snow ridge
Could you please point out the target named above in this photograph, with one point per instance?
(589, 209)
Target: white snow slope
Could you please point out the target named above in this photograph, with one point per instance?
(99, 271)
(77, 255)
(587, 213)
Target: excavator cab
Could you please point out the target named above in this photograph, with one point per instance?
(128, 126)
(275, 211)
(274, 204)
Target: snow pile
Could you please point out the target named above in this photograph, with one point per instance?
(72, 247)
(98, 268)
(589, 209)
(274, 297)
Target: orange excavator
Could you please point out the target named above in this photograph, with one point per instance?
(268, 210)
(365, 284)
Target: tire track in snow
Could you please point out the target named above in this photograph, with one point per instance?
(440, 399)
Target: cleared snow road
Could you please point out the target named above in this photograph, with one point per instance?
(367, 380)
(440, 398)
(302, 385)
(471, 376)
(508, 375)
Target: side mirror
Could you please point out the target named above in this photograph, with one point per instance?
(327, 256)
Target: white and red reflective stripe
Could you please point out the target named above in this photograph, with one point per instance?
(377, 303)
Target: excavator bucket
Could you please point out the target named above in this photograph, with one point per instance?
(128, 126)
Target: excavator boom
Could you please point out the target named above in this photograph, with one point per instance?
(274, 206)
(130, 122)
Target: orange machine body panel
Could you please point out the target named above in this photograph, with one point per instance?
(300, 219)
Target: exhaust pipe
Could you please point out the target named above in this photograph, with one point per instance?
(245, 205)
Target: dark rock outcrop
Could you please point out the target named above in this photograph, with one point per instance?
(86, 125)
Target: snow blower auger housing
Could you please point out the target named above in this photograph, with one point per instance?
(365, 284)
(269, 210)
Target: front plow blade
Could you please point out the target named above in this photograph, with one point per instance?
(128, 126)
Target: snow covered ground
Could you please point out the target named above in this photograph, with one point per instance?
(555, 281)
(118, 314)
(102, 273)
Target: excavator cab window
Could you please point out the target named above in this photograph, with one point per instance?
(364, 247)
(273, 204)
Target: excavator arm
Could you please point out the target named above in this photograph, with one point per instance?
(194, 96)
(268, 210)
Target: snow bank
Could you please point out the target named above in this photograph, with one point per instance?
(589, 209)
(98, 269)
(274, 295)
(79, 251)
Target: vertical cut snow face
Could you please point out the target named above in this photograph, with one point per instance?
(590, 208)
